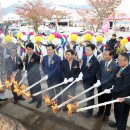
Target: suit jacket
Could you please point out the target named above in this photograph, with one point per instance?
(107, 75)
(127, 100)
(111, 43)
(65, 69)
(53, 71)
(90, 72)
(122, 83)
(11, 66)
(32, 68)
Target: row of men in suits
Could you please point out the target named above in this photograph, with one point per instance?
(107, 72)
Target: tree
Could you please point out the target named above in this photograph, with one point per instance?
(102, 9)
(34, 10)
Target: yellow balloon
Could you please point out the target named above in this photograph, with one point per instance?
(73, 37)
(8, 39)
(99, 38)
(123, 41)
(19, 35)
(51, 37)
(88, 37)
(38, 39)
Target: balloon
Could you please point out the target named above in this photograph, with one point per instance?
(73, 37)
(124, 41)
(38, 39)
(24, 33)
(19, 35)
(88, 37)
(106, 27)
(128, 39)
(51, 37)
(89, 32)
(99, 38)
(8, 39)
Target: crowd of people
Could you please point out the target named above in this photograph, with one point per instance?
(103, 62)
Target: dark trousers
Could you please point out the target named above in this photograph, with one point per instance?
(69, 92)
(121, 111)
(54, 92)
(104, 98)
(17, 78)
(89, 94)
(35, 89)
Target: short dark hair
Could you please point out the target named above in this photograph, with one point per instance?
(111, 52)
(51, 45)
(30, 45)
(71, 51)
(92, 46)
(114, 35)
(124, 54)
(120, 37)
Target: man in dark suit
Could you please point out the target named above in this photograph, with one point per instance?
(89, 69)
(112, 42)
(33, 73)
(122, 89)
(69, 68)
(12, 64)
(51, 68)
(106, 75)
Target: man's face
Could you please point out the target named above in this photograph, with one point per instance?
(69, 56)
(113, 37)
(50, 51)
(30, 51)
(89, 51)
(106, 56)
(13, 52)
(122, 61)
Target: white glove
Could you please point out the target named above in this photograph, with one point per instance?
(65, 80)
(45, 77)
(71, 79)
(112, 87)
(97, 84)
(80, 75)
(107, 91)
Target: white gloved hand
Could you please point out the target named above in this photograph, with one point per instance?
(65, 80)
(107, 91)
(45, 77)
(97, 84)
(70, 79)
(112, 87)
(80, 75)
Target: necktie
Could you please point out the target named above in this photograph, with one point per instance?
(121, 70)
(49, 61)
(106, 65)
(88, 60)
(14, 62)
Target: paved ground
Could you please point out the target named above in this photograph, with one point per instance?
(44, 119)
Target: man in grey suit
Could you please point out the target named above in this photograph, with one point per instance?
(106, 76)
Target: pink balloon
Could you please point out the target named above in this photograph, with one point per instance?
(128, 39)
(24, 33)
(105, 27)
(65, 36)
(39, 35)
(74, 33)
(1, 32)
(89, 32)
(31, 33)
